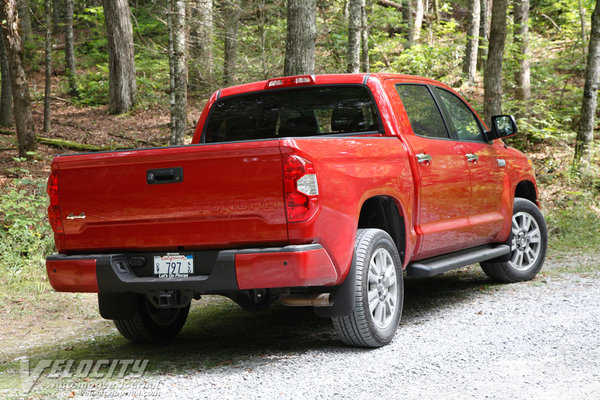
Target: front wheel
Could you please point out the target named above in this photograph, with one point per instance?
(152, 324)
(528, 243)
(378, 293)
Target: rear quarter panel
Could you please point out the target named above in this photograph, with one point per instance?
(351, 170)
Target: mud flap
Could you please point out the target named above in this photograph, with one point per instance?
(117, 305)
(343, 297)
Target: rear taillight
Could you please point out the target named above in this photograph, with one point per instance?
(53, 209)
(301, 188)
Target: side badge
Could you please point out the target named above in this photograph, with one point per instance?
(501, 162)
(80, 216)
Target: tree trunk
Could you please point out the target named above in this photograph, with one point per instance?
(470, 63)
(408, 18)
(70, 71)
(364, 39)
(301, 37)
(484, 33)
(57, 7)
(179, 106)
(121, 65)
(521, 35)
(582, 21)
(202, 61)
(25, 27)
(418, 21)
(354, 35)
(6, 107)
(585, 135)
(232, 17)
(492, 86)
(48, 83)
(18, 79)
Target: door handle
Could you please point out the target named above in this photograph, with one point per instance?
(423, 158)
(472, 157)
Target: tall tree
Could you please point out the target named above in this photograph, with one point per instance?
(48, 71)
(492, 84)
(232, 15)
(354, 34)
(521, 35)
(585, 134)
(6, 101)
(408, 18)
(70, 71)
(301, 37)
(202, 42)
(179, 69)
(364, 39)
(470, 62)
(418, 21)
(484, 33)
(18, 78)
(25, 26)
(121, 65)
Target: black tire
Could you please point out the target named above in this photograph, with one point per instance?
(367, 326)
(151, 324)
(528, 242)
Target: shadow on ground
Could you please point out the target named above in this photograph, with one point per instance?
(219, 333)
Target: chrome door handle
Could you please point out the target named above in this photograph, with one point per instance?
(472, 157)
(423, 158)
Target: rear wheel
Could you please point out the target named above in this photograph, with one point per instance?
(528, 243)
(378, 293)
(152, 324)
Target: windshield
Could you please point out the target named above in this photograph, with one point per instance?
(306, 111)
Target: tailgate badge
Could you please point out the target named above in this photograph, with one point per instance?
(80, 216)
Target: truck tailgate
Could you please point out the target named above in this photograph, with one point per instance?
(179, 198)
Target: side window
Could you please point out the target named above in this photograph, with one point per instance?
(463, 120)
(423, 113)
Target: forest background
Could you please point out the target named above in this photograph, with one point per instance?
(171, 55)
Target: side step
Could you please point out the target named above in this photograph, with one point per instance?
(444, 263)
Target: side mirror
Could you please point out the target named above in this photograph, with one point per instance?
(502, 126)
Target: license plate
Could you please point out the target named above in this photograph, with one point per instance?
(173, 266)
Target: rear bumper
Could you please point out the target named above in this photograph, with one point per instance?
(215, 271)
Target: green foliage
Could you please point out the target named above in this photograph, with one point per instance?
(25, 233)
(92, 86)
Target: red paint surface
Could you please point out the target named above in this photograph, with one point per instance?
(291, 269)
(72, 275)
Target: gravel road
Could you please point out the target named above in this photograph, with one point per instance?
(459, 338)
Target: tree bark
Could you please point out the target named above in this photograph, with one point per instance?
(408, 17)
(585, 134)
(179, 106)
(301, 37)
(48, 81)
(521, 35)
(418, 21)
(121, 64)
(364, 39)
(484, 33)
(70, 71)
(25, 27)
(232, 17)
(6, 108)
(470, 62)
(202, 61)
(18, 79)
(492, 104)
(354, 34)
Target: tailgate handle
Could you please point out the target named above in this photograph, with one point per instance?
(164, 175)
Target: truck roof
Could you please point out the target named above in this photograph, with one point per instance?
(359, 78)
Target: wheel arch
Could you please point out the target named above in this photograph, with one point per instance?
(526, 189)
(385, 213)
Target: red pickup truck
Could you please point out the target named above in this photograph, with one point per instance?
(311, 190)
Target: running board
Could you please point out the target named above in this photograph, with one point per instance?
(447, 262)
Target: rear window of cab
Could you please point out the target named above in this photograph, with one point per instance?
(293, 112)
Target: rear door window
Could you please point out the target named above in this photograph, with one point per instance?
(423, 113)
(296, 112)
